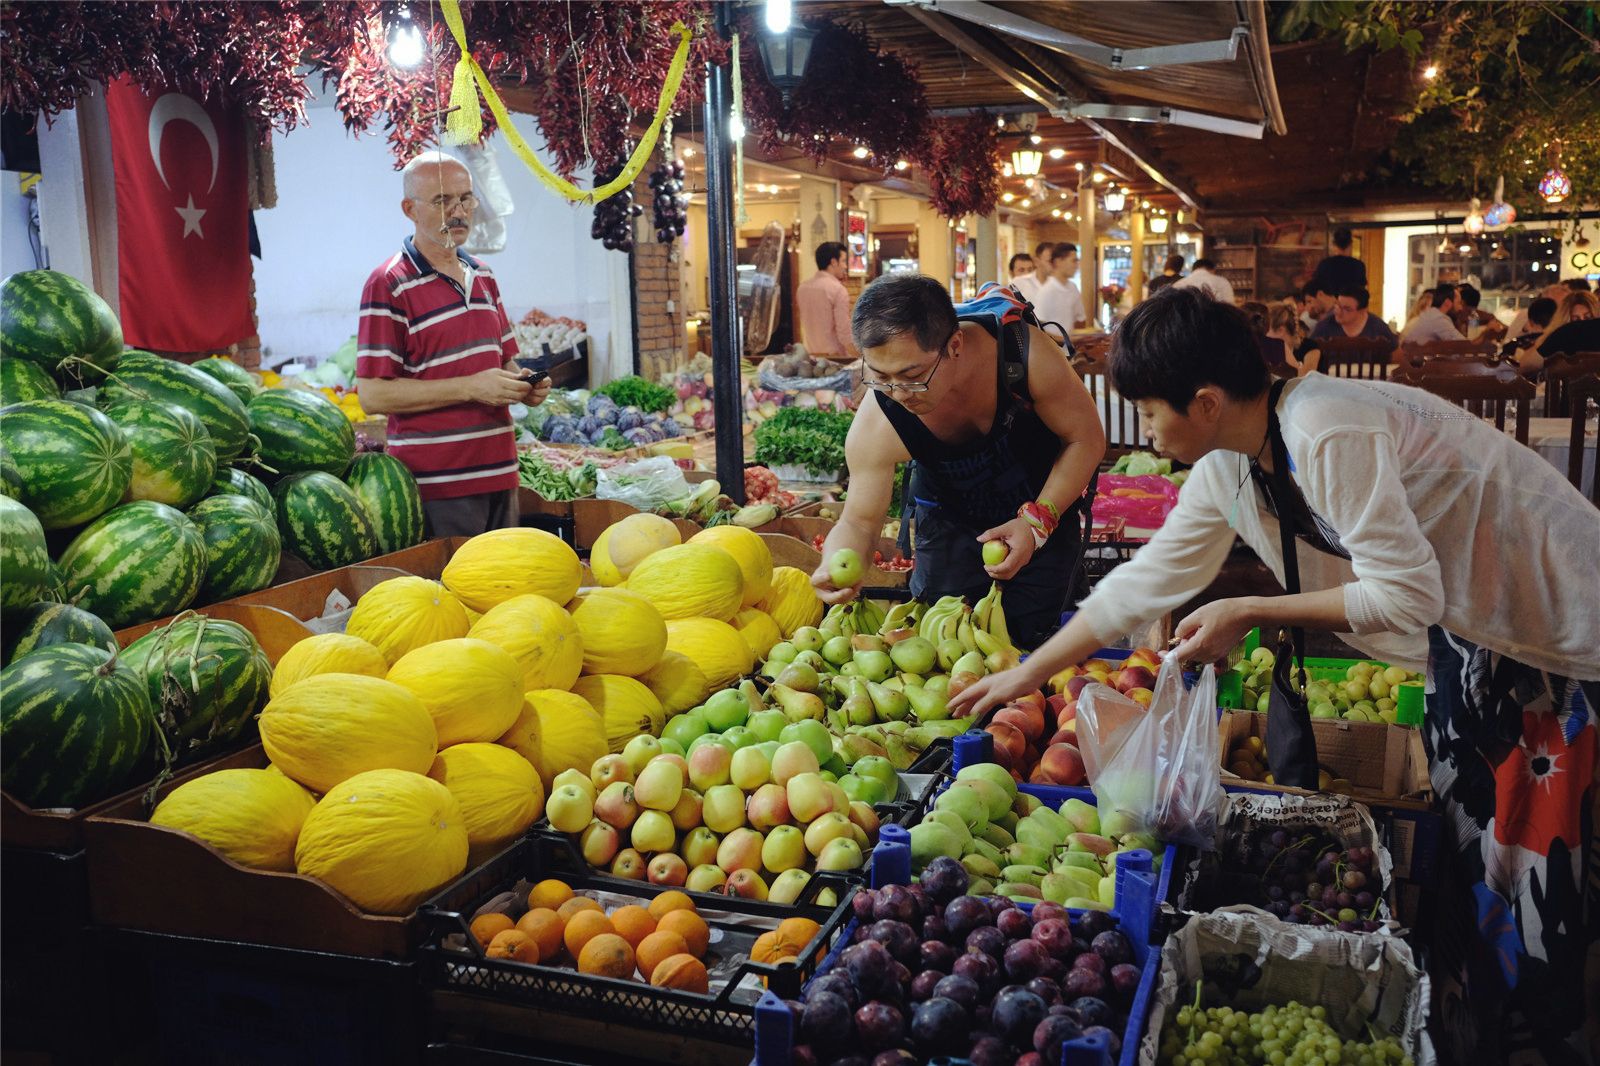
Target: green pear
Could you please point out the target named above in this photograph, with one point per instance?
(1131, 841)
(874, 665)
(868, 642)
(799, 677)
(981, 886)
(1056, 888)
(987, 850)
(915, 655)
(1038, 834)
(971, 662)
(1083, 817)
(837, 650)
(1019, 890)
(1080, 882)
(815, 661)
(1084, 903)
(927, 706)
(956, 825)
(949, 651)
(907, 678)
(850, 669)
(1028, 854)
(1025, 804)
(782, 652)
(807, 638)
(1058, 825)
(939, 685)
(966, 803)
(997, 835)
(797, 706)
(859, 710)
(931, 840)
(894, 684)
(980, 866)
(994, 797)
(1026, 875)
(1008, 821)
(892, 706)
(991, 772)
(1108, 891)
(1082, 860)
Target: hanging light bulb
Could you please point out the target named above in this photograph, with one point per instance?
(777, 15)
(1499, 212)
(1555, 185)
(1475, 221)
(1057, 153)
(405, 41)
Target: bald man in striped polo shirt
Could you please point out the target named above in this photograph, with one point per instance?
(436, 355)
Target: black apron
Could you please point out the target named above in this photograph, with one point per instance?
(958, 491)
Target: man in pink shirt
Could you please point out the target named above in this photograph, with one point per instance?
(823, 306)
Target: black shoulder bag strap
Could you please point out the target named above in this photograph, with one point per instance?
(1291, 744)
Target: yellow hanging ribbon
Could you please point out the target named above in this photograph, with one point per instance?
(466, 123)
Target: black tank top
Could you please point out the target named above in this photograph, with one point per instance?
(981, 483)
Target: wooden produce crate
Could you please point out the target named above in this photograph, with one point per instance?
(275, 629)
(159, 880)
(788, 550)
(592, 517)
(306, 597)
(1386, 763)
(530, 502)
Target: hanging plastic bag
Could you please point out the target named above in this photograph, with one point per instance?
(646, 484)
(1155, 769)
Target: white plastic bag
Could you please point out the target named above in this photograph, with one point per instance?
(1157, 769)
(646, 484)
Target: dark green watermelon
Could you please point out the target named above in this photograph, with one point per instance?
(300, 431)
(174, 461)
(22, 379)
(323, 521)
(143, 376)
(46, 623)
(74, 721)
(231, 481)
(207, 679)
(389, 493)
(230, 374)
(142, 561)
(74, 461)
(242, 546)
(10, 475)
(58, 322)
(24, 559)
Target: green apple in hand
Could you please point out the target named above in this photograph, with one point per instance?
(844, 569)
(994, 552)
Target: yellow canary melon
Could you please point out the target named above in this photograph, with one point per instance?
(501, 564)
(690, 581)
(499, 792)
(605, 572)
(542, 637)
(758, 630)
(557, 731)
(749, 551)
(387, 839)
(677, 682)
(472, 688)
(251, 816)
(625, 705)
(331, 727)
(792, 602)
(630, 541)
(403, 613)
(327, 653)
(622, 632)
(715, 647)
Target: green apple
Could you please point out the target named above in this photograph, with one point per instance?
(685, 727)
(813, 733)
(866, 789)
(879, 769)
(726, 709)
(767, 725)
(672, 747)
(740, 737)
(844, 569)
(994, 552)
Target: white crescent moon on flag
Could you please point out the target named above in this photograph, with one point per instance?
(176, 107)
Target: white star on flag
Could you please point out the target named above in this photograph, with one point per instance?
(191, 218)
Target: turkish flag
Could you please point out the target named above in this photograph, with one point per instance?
(183, 219)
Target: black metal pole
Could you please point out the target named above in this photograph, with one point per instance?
(727, 402)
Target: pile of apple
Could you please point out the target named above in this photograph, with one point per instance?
(1367, 693)
(936, 971)
(727, 819)
(1012, 844)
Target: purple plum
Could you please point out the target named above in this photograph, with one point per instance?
(939, 1027)
(828, 1021)
(1084, 982)
(924, 983)
(964, 914)
(1125, 979)
(880, 1025)
(897, 903)
(960, 988)
(1015, 1014)
(937, 955)
(1053, 1031)
(1024, 960)
(1014, 922)
(897, 937)
(944, 879)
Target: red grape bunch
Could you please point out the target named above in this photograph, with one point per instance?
(671, 206)
(613, 216)
(1305, 878)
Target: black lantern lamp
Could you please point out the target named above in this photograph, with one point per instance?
(785, 56)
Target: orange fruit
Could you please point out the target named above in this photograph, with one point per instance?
(656, 948)
(485, 926)
(584, 927)
(670, 901)
(682, 972)
(690, 926)
(798, 931)
(607, 955)
(511, 944)
(545, 927)
(576, 904)
(549, 893)
(633, 924)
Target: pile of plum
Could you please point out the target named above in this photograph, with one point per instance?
(934, 972)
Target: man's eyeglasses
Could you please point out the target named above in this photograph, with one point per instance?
(907, 386)
(448, 204)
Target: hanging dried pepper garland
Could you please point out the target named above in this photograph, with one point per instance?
(960, 161)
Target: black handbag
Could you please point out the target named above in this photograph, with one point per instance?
(1291, 744)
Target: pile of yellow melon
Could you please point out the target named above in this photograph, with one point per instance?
(426, 736)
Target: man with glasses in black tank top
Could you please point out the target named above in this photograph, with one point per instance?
(1005, 438)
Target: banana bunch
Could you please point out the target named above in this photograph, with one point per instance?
(989, 630)
(944, 620)
(904, 615)
(850, 619)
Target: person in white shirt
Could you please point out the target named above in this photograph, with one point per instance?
(1060, 305)
(1029, 285)
(1434, 322)
(1423, 536)
(822, 304)
(1202, 276)
(1023, 281)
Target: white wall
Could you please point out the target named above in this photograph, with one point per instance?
(338, 217)
(16, 253)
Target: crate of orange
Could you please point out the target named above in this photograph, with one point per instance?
(554, 936)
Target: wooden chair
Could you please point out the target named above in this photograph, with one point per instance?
(1425, 350)
(1121, 420)
(1561, 368)
(1581, 392)
(1482, 389)
(1354, 357)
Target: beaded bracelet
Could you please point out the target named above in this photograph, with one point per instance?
(1042, 519)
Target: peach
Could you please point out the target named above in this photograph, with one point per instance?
(1011, 738)
(1063, 736)
(1018, 717)
(1038, 778)
(1132, 677)
(1076, 686)
(1140, 695)
(1053, 705)
(1063, 765)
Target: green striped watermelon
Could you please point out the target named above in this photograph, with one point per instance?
(231, 374)
(140, 562)
(322, 520)
(58, 322)
(23, 380)
(233, 481)
(242, 546)
(10, 475)
(46, 623)
(74, 721)
(302, 430)
(173, 458)
(75, 462)
(24, 560)
(208, 679)
(143, 376)
(389, 493)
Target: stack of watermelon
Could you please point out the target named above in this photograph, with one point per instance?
(132, 471)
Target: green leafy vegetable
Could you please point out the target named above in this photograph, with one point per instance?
(635, 391)
(805, 437)
(614, 440)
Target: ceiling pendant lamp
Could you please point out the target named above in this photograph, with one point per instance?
(1555, 186)
(1025, 163)
(1158, 224)
(1500, 213)
(1474, 221)
(1114, 199)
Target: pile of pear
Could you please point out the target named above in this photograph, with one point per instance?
(1014, 844)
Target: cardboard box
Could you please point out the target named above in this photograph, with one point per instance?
(1386, 763)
